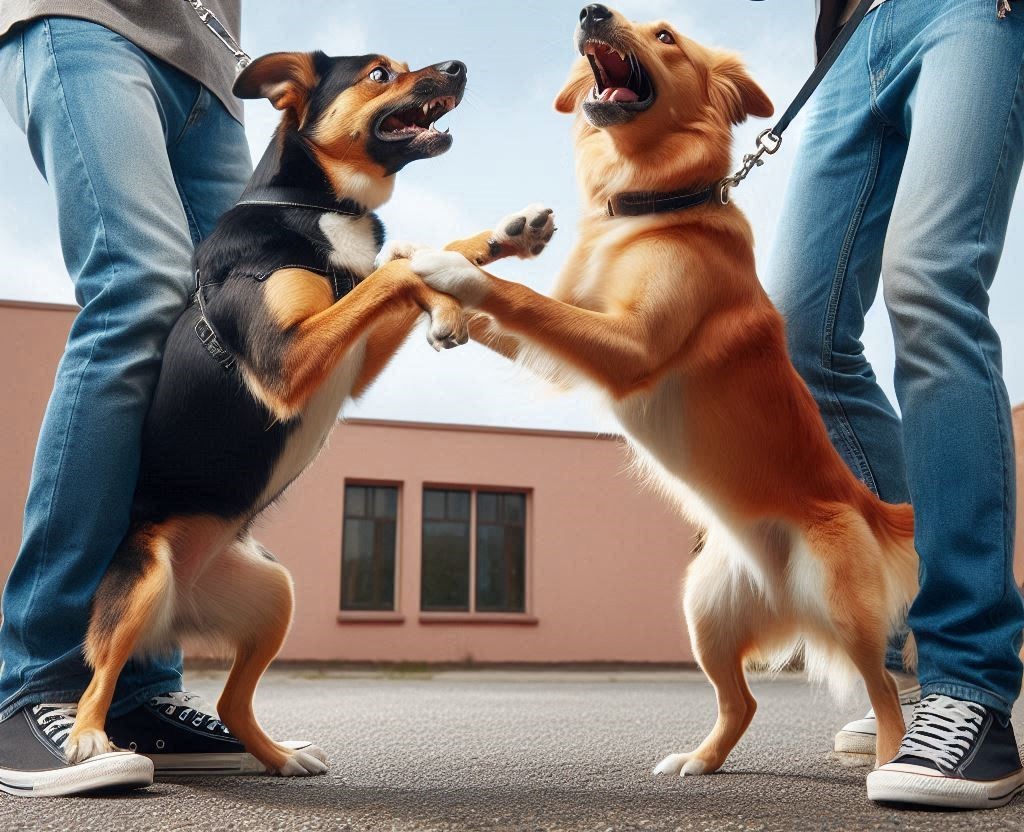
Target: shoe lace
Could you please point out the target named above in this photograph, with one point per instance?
(943, 730)
(189, 707)
(56, 720)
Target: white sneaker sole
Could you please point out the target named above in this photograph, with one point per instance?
(115, 771)
(228, 765)
(950, 792)
(855, 742)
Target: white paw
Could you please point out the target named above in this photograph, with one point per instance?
(526, 233)
(84, 745)
(683, 765)
(453, 274)
(304, 764)
(397, 250)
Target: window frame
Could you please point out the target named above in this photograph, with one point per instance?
(472, 615)
(395, 613)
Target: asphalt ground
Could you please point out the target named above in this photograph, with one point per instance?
(519, 751)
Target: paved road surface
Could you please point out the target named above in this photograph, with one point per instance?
(518, 751)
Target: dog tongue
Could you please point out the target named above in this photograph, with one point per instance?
(619, 94)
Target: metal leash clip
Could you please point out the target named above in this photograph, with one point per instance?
(242, 60)
(767, 144)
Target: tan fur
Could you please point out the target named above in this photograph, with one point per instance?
(665, 314)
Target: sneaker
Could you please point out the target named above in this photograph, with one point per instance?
(955, 754)
(32, 762)
(180, 734)
(858, 737)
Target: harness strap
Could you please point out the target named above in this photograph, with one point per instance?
(284, 197)
(208, 335)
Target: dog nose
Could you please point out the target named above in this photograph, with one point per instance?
(594, 13)
(454, 68)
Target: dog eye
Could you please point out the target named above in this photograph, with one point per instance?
(380, 75)
(665, 36)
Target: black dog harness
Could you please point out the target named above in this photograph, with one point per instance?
(310, 259)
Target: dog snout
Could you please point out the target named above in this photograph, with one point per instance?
(594, 15)
(456, 69)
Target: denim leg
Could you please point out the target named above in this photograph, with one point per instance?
(826, 259)
(99, 115)
(956, 91)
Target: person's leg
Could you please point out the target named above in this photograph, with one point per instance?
(956, 90)
(99, 126)
(826, 258)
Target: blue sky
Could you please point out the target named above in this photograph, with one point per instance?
(510, 149)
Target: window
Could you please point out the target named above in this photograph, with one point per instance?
(368, 548)
(473, 560)
(445, 583)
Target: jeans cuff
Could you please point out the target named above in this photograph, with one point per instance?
(968, 693)
(118, 707)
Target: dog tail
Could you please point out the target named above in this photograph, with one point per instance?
(893, 527)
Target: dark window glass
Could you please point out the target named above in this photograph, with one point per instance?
(500, 552)
(445, 578)
(368, 548)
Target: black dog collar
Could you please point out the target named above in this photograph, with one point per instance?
(301, 198)
(641, 203)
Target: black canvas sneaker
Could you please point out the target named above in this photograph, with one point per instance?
(32, 762)
(955, 754)
(180, 734)
(858, 737)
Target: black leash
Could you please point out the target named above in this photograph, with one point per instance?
(640, 203)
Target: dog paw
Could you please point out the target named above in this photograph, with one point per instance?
(83, 745)
(447, 331)
(452, 274)
(683, 765)
(526, 233)
(397, 250)
(303, 764)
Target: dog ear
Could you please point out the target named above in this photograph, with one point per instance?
(284, 78)
(734, 92)
(580, 80)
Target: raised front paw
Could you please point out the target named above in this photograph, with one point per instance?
(526, 233)
(397, 250)
(452, 274)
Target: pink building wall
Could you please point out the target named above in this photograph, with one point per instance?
(605, 560)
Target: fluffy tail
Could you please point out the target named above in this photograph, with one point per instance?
(893, 527)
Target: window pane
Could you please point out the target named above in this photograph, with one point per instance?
(458, 505)
(445, 579)
(486, 508)
(514, 512)
(501, 554)
(368, 549)
(385, 502)
(355, 501)
(433, 504)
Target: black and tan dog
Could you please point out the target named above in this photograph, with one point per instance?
(288, 321)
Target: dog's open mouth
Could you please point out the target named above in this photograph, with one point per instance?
(622, 87)
(416, 120)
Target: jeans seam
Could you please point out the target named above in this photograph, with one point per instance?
(27, 113)
(837, 412)
(195, 112)
(1005, 439)
(92, 348)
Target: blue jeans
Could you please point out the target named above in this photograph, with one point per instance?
(142, 161)
(906, 173)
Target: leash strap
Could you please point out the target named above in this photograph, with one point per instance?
(212, 22)
(769, 141)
